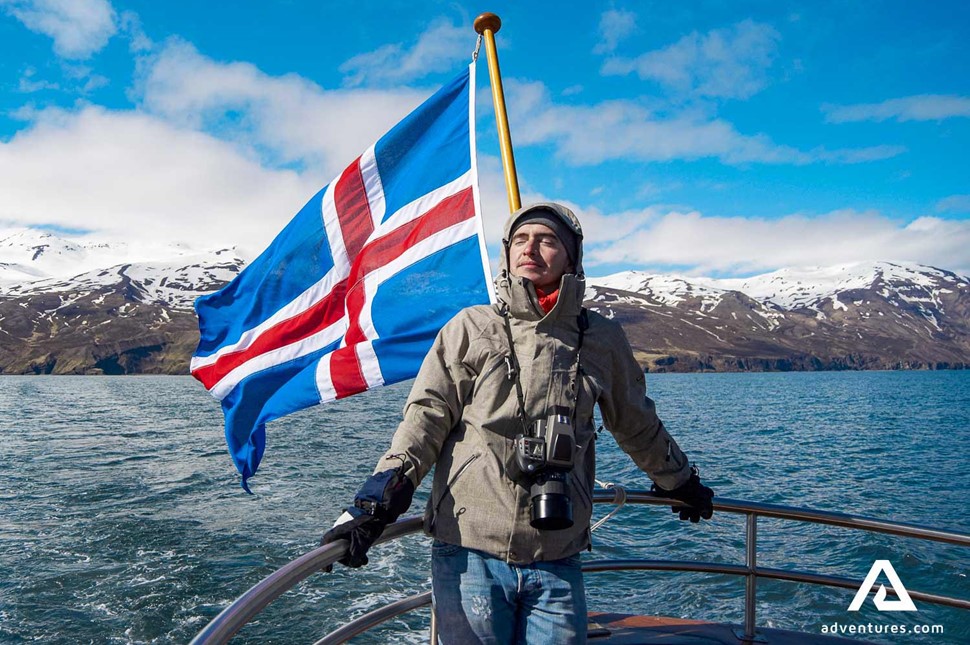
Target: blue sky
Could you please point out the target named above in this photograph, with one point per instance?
(716, 138)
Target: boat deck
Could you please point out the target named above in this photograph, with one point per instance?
(625, 629)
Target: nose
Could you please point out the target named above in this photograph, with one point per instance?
(531, 246)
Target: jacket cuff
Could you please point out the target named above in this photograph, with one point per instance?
(398, 460)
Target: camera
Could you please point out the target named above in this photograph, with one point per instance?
(544, 458)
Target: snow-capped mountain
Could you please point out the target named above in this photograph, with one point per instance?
(30, 254)
(69, 306)
(796, 289)
(37, 262)
(174, 283)
(900, 282)
(876, 314)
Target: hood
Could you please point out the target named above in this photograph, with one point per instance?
(519, 294)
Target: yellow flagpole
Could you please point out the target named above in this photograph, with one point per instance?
(488, 25)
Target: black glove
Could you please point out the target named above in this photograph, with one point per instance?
(379, 502)
(693, 492)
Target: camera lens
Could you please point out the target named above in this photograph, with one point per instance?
(551, 510)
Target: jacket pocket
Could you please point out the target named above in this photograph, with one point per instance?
(500, 364)
(451, 482)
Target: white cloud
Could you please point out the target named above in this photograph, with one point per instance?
(138, 41)
(925, 107)
(216, 154)
(615, 25)
(29, 82)
(954, 204)
(135, 177)
(79, 27)
(658, 237)
(592, 134)
(704, 244)
(287, 119)
(723, 63)
(495, 199)
(438, 49)
(857, 155)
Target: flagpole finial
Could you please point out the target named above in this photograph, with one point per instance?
(487, 21)
(486, 25)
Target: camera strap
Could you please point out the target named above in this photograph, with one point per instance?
(513, 364)
(515, 371)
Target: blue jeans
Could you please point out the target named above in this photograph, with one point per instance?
(482, 599)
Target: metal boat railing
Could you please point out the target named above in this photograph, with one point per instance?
(246, 607)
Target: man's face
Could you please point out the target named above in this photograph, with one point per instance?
(537, 254)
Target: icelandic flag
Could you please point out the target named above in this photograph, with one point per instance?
(351, 294)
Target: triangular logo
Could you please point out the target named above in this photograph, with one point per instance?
(904, 603)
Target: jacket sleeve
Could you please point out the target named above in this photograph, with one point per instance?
(631, 416)
(434, 405)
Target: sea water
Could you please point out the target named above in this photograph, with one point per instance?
(122, 521)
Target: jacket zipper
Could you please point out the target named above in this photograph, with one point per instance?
(451, 482)
(491, 370)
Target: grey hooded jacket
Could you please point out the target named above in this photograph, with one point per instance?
(462, 414)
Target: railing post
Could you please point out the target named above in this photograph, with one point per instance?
(751, 580)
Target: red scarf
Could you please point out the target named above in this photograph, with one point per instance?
(547, 302)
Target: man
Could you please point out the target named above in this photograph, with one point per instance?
(496, 378)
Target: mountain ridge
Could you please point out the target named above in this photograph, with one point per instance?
(61, 313)
(877, 315)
